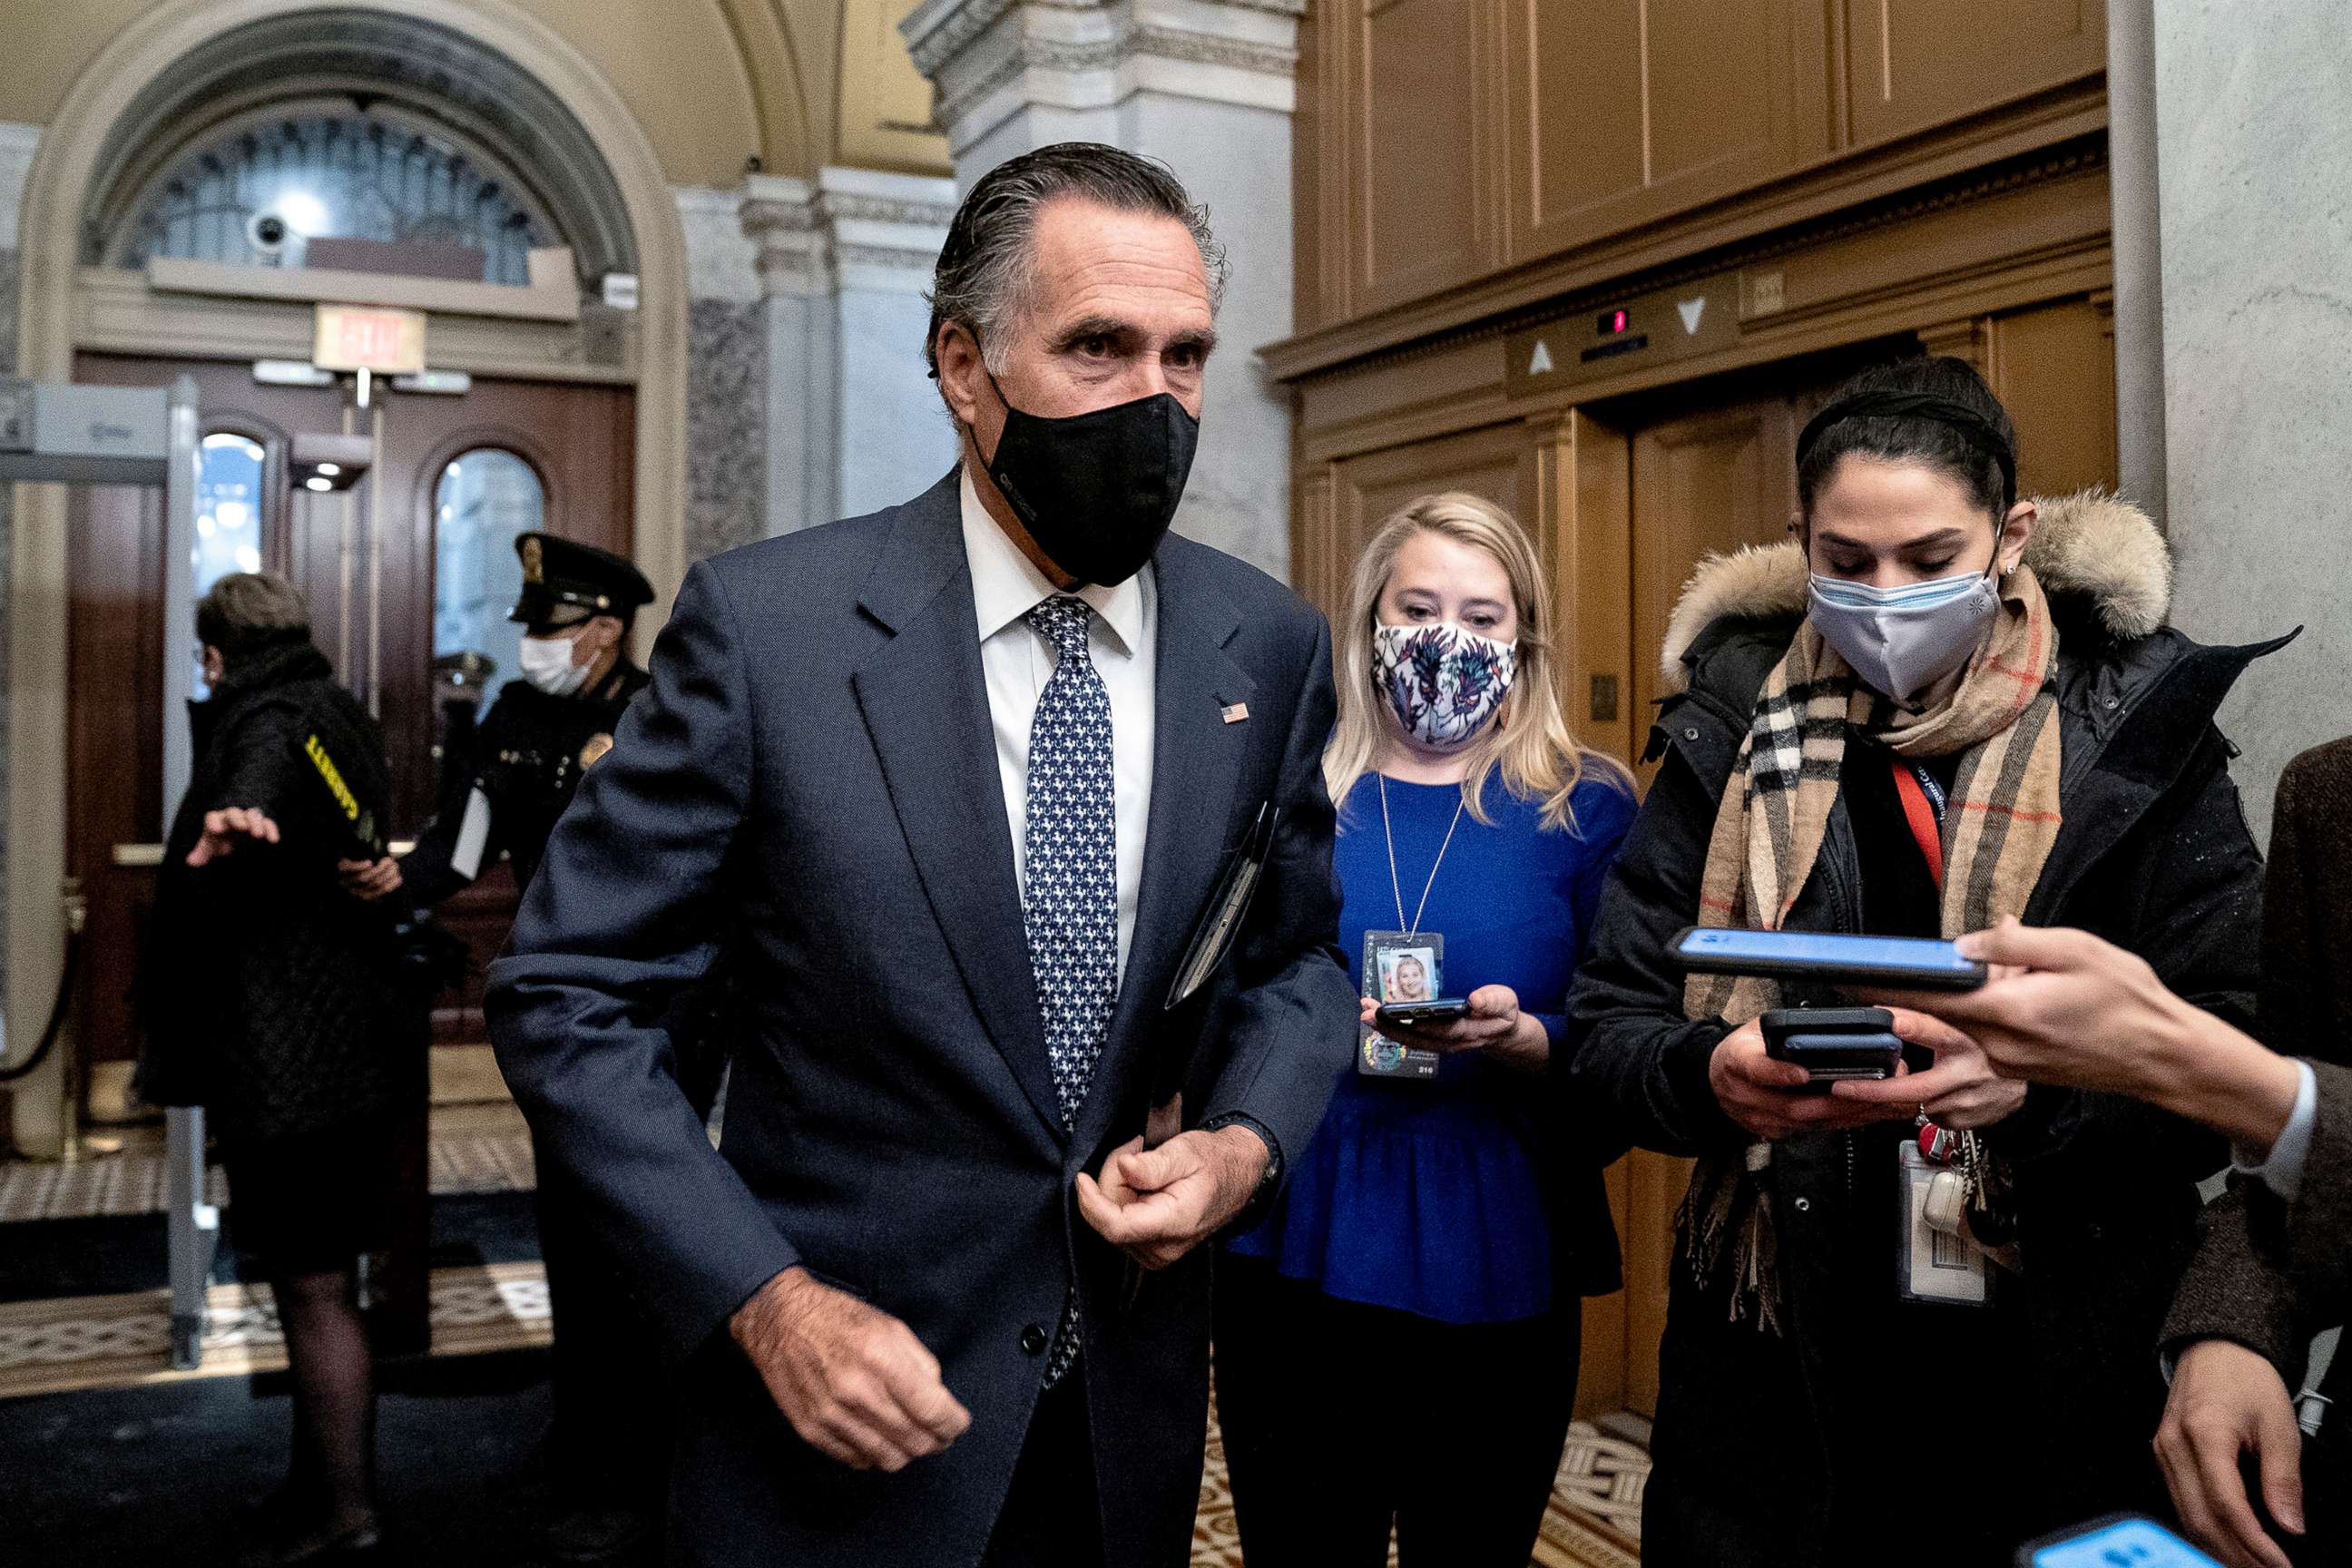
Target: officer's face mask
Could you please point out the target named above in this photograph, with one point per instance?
(1096, 490)
(1900, 641)
(1443, 681)
(547, 664)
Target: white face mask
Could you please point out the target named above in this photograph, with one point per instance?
(1443, 681)
(547, 665)
(1901, 641)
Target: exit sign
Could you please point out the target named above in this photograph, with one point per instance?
(352, 337)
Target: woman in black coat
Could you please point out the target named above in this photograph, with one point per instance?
(1808, 1412)
(272, 997)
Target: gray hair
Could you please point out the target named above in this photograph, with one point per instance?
(247, 611)
(985, 269)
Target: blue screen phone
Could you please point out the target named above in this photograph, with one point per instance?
(1901, 964)
(2122, 1542)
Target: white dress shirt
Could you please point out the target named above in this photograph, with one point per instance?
(1124, 639)
(2280, 1170)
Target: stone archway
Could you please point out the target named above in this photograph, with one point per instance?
(73, 154)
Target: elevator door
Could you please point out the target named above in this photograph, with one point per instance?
(1711, 469)
(369, 561)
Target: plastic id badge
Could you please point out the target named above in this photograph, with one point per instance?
(1930, 1266)
(1400, 966)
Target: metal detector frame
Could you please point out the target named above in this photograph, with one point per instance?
(194, 1224)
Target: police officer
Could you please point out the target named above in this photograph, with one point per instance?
(544, 731)
(608, 1448)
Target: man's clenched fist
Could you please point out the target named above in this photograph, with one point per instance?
(854, 1381)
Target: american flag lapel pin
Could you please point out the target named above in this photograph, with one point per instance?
(1234, 712)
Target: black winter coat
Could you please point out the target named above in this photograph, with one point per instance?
(2154, 856)
(269, 995)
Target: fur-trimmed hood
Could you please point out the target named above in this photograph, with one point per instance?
(2092, 546)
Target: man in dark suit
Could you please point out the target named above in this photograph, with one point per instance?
(954, 782)
(2274, 1270)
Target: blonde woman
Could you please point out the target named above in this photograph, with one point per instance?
(1396, 1342)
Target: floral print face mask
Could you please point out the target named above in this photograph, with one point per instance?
(1444, 680)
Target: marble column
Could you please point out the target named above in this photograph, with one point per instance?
(2251, 142)
(726, 376)
(1205, 86)
(852, 422)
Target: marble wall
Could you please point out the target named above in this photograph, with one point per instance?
(853, 423)
(896, 436)
(725, 463)
(726, 377)
(1207, 87)
(2256, 237)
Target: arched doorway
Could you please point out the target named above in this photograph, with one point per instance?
(238, 135)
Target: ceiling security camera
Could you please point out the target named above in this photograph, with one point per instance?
(267, 232)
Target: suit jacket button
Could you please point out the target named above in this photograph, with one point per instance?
(1033, 1340)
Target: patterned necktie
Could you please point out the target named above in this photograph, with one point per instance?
(1072, 875)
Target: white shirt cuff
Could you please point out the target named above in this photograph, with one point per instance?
(2281, 1170)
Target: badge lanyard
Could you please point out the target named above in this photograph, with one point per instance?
(1390, 833)
(1948, 1179)
(1380, 1057)
(1923, 808)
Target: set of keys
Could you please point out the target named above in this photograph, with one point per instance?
(1966, 1196)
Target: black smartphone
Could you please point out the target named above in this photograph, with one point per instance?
(2124, 1538)
(1834, 1043)
(1896, 963)
(1422, 1014)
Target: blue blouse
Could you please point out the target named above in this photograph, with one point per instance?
(1426, 1195)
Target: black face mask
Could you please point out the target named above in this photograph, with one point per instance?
(1097, 492)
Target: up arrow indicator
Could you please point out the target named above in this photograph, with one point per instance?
(1539, 363)
(1692, 310)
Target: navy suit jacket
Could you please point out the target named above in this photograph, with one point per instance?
(810, 779)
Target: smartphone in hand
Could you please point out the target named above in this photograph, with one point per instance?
(2120, 1538)
(1891, 963)
(1834, 1043)
(1422, 1014)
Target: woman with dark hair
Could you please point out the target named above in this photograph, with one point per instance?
(272, 997)
(1940, 706)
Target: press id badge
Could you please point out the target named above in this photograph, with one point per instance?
(1400, 966)
(1932, 1262)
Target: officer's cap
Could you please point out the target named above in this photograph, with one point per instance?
(565, 582)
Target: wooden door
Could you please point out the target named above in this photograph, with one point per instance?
(365, 560)
(1709, 469)
(1705, 483)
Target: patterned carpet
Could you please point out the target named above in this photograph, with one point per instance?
(76, 1343)
(1595, 1520)
(117, 1342)
(133, 1181)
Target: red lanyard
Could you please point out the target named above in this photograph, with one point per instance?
(1925, 826)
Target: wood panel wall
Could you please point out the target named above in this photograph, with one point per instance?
(1441, 142)
(1884, 177)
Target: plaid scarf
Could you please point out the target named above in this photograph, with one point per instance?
(1999, 827)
